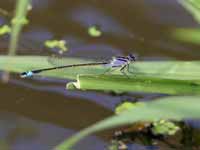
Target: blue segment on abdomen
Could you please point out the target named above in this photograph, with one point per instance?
(29, 74)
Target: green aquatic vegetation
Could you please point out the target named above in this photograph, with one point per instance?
(162, 127)
(165, 127)
(22, 21)
(136, 84)
(171, 77)
(192, 6)
(17, 23)
(16, 26)
(191, 35)
(60, 44)
(94, 31)
(126, 106)
(174, 107)
(5, 29)
(187, 35)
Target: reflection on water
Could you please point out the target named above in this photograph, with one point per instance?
(38, 4)
(88, 16)
(163, 13)
(2, 20)
(107, 101)
(80, 48)
(20, 133)
(96, 51)
(37, 35)
(31, 42)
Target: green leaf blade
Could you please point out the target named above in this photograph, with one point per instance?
(137, 83)
(178, 70)
(175, 108)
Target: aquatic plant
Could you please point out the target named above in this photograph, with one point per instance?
(177, 78)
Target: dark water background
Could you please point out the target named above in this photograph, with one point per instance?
(38, 114)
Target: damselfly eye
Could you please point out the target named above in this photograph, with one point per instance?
(131, 57)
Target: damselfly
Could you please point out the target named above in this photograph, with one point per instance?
(120, 62)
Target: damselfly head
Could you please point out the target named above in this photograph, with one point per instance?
(131, 57)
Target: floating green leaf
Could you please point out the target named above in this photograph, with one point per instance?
(60, 44)
(164, 127)
(94, 31)
(5, 29)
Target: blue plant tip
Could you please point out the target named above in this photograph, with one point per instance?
(26, 74)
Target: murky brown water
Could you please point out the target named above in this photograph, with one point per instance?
(38, 114)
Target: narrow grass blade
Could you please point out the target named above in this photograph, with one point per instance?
(192, 6)
(177, 70)
(138, 83)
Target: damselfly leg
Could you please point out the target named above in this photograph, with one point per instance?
(128, 69)
(109, 70)
(123, 71)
